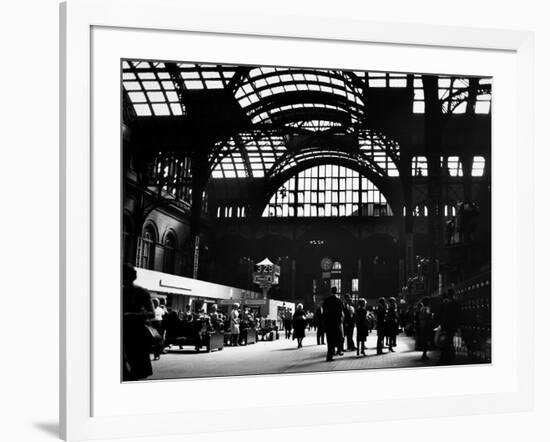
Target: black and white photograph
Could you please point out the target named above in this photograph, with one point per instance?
(280, 220)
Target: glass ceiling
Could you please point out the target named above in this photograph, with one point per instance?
(247, 155)
(381, 152)
(308, 99)
(283, 101)
(269, 95)
(257, 154)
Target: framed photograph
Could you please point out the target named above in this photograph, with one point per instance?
(296, 219)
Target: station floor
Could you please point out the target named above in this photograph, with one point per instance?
(282, 356)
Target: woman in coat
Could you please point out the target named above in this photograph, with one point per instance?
(424, 326)
(234, 322)
(392, 324)
(362, 324)
(381, 310)
(299, 324)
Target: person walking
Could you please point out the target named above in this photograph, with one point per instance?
(362, 324)
(158, 325)
(349, 322)
(333, 313)
(288, 324)
(392, 324)
(299, 322)
(320, 326)
(424, 326)
(380, 324)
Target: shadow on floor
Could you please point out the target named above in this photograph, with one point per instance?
(50, 428)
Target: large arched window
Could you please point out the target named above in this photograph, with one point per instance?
(146, 249)
(327, 190)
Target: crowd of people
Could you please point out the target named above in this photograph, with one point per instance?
(339, 320)
(336, 322)
(147, 320)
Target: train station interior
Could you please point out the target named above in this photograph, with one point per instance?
(377, 184)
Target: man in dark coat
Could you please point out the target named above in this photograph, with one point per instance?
(320, 325)
(349, 322)
(137, 308)
(333, 313)
(381, 311)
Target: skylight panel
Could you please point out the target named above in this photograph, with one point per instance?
(189, 75)
(151, 85)
(142, 110)
(460, 108)
(398, 82)
(168, 85)
(161, 109)
(146, 75)
(377, 82)
(141, 65)
(261, 82)
(156, 97)
(171, 96)
(176, 108)
(286, 78)
(194, 84)
(137, 97)
(214, 84)
(211, 75)
(132, 86)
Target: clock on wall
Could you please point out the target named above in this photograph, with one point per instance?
(326, 264)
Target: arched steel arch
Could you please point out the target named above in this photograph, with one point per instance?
(392, 193)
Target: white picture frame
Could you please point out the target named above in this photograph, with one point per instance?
(79, 418)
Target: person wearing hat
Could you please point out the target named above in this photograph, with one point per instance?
(333, 313)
